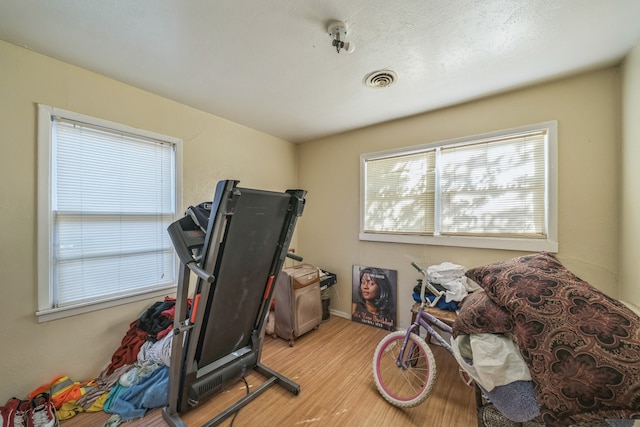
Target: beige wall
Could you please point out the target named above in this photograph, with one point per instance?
(630, 179)
(214, 149)
(587, 110)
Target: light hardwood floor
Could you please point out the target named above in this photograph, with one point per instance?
(333, 367)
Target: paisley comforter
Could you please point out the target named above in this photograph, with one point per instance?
(582, 347)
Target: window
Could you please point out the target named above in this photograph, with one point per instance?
(495, 190)
(106, 194)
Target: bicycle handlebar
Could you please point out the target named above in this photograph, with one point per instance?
(426, 285)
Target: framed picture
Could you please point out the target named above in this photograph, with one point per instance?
(374, 296)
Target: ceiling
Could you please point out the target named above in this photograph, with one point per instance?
(270, 64)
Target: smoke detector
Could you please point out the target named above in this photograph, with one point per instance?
(380, 79)
(338, 32)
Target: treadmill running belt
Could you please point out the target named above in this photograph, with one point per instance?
(254, 230)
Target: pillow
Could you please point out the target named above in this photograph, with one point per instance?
(479, 314)
(582, 347)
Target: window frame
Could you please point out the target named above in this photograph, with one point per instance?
(45, 220)
(548, 244)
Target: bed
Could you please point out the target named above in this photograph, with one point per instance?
(582, 347)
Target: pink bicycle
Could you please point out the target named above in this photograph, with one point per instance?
(404, 368)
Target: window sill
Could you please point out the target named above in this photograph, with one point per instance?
(529, 245)
(47, 315)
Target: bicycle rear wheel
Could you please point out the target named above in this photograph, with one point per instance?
(410, 383)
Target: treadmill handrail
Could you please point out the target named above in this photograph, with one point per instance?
(294, 257)
(193, 266)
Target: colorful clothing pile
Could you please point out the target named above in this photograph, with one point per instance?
(135, 381)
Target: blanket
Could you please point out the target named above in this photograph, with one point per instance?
(581, 346)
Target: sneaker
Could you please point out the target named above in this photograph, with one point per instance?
(22, 415)
(15, 413)
(7, 411)
(43, 413)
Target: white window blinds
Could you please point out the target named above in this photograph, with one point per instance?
(113, 196)
(496, 190)
(399, 194)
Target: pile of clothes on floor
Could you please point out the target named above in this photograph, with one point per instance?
(450, 280)
(135, 381)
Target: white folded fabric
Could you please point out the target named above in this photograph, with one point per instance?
(496, 359)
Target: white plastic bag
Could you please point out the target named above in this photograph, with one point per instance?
(451, 277)
(496, 359)
(456, 289)
(445, 272)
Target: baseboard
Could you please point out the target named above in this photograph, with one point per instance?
(633, 307)
(340, 314)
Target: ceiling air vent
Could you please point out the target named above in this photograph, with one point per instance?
(380, 79)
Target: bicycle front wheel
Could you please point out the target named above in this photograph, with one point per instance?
(404, 382)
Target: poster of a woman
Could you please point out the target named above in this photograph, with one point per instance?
(374, 296)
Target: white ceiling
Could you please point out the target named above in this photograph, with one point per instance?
(270, 65)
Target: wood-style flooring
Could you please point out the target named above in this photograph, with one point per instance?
(333, 367)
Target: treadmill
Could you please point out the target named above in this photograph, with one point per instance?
(218, 332)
